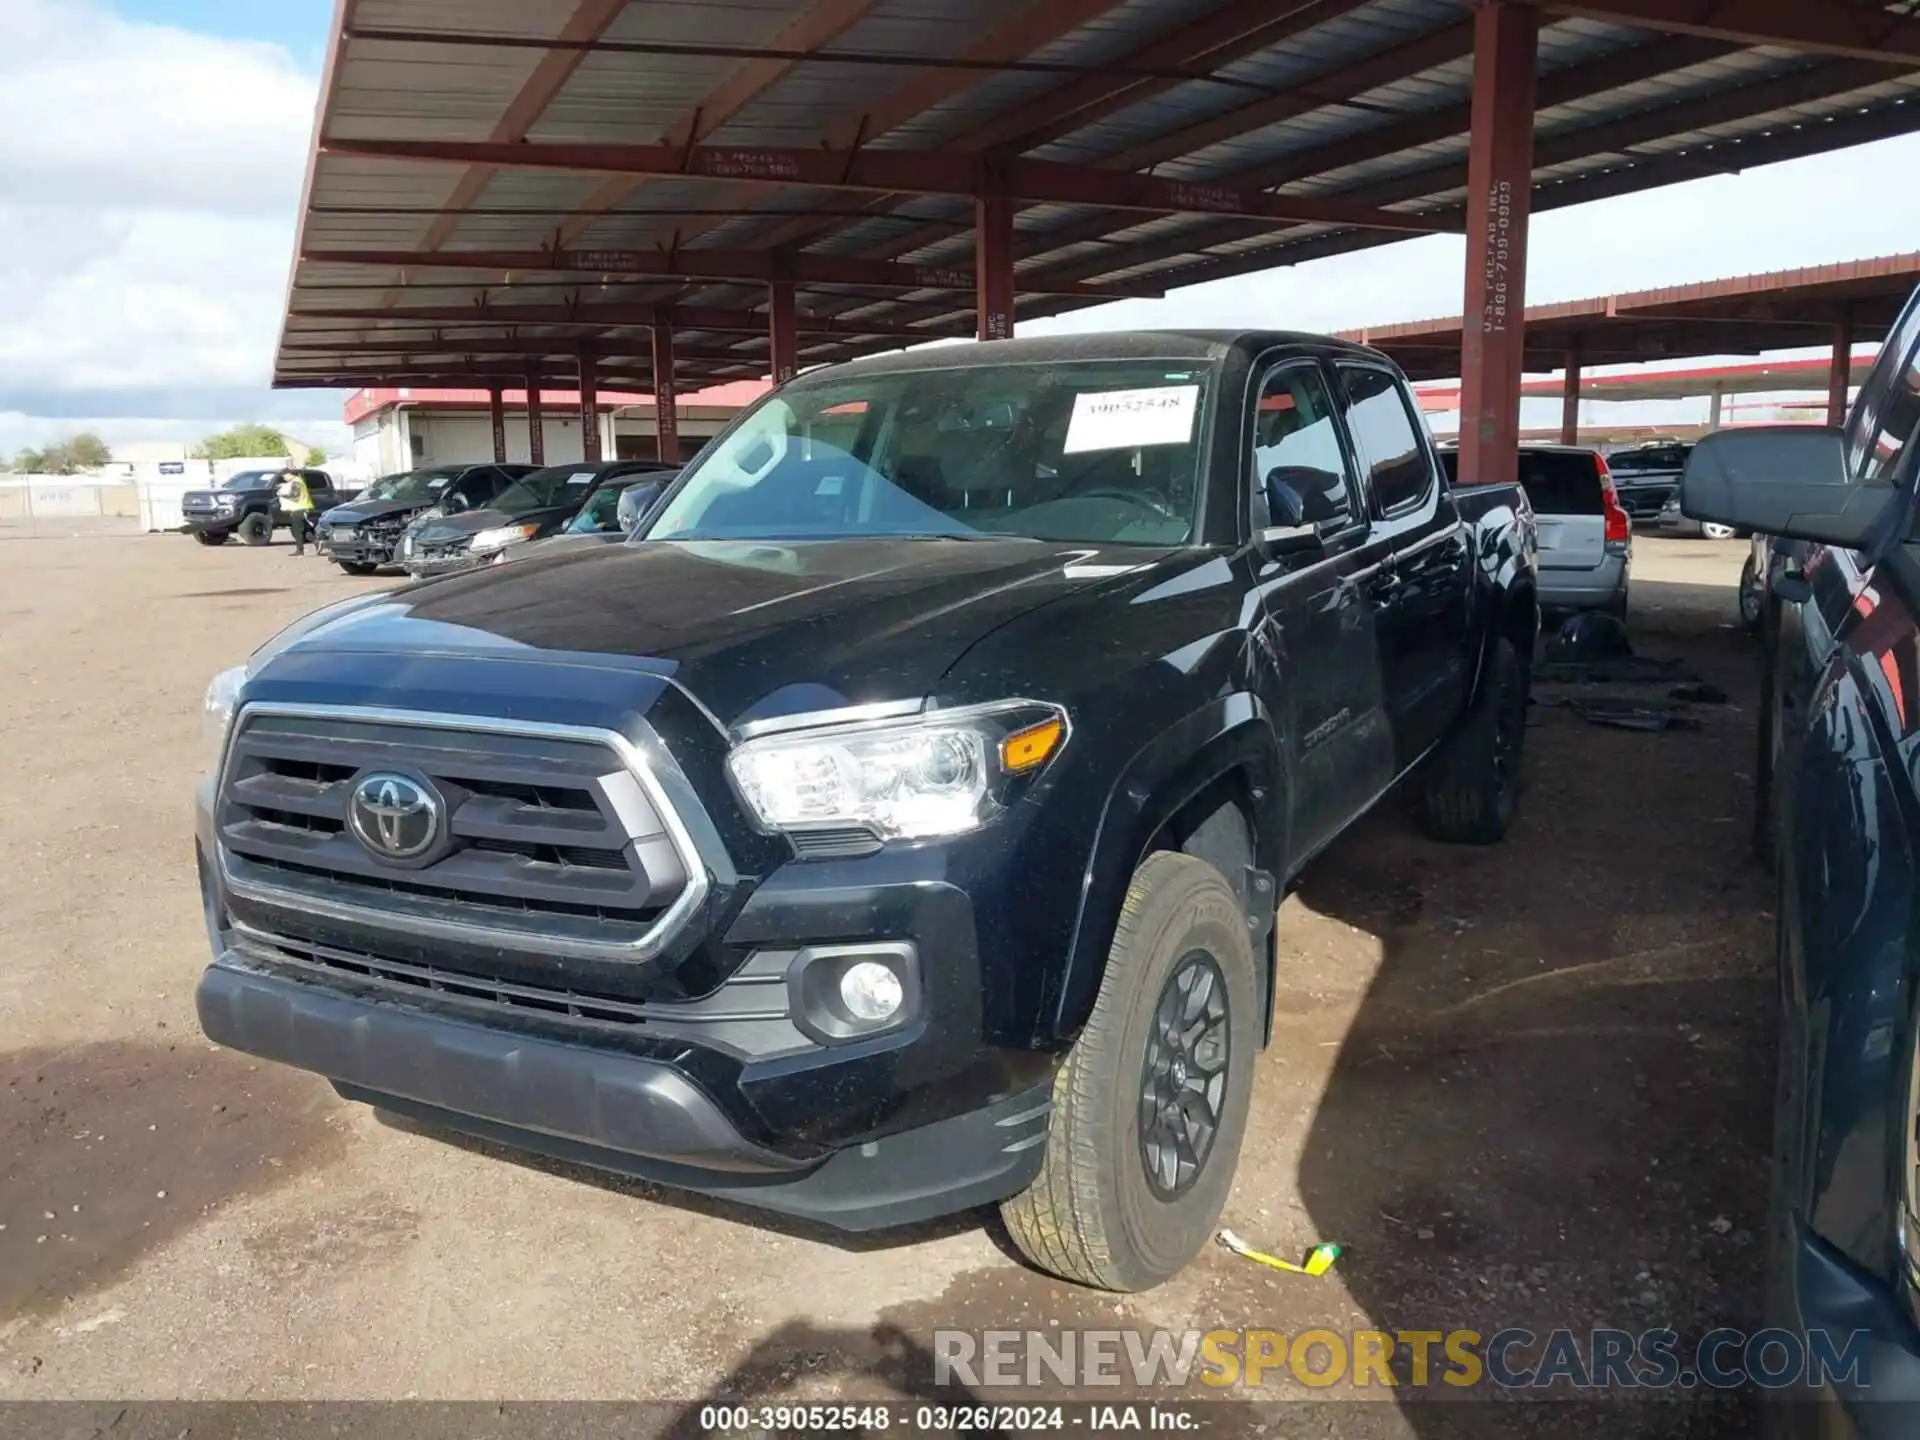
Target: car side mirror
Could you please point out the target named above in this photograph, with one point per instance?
(635, 502)
(1787, 480)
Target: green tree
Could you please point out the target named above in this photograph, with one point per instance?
(87, 451)
(242, 442)
(30, 462)
(316, 456)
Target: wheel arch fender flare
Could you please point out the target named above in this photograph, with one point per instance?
(1232, 738)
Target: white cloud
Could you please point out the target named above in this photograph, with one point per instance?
(149, 184)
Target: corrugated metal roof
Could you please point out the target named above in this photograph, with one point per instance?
(1363, 100)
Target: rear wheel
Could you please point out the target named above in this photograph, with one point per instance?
(256, 529)
(1717, 532)
(1151, 1104)
(358, 567)
(1470, 787)
(211, 537)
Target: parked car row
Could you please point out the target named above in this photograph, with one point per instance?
(438, 519)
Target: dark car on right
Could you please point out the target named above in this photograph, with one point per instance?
(365, 535)
(1839, 816)
(532, 508)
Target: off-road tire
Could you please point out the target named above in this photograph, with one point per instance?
(358, 567)
(211, 537)
(1470, 788)
(256, 529)
(1091, 1215)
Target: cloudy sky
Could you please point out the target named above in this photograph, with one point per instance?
(151, 154)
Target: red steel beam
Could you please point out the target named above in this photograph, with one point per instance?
(751, 266)
(539, 348)
(536, 439)
(684, 317)
(1570, 397)
(666, 414)
(782, 331)
(589, 408)
(1840, 374)
(993, 262)
(1499, 191)
(1858, 32)
(907, 172)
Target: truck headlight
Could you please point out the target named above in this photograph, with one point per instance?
(217, 707)
(501, 536)
(943, 773)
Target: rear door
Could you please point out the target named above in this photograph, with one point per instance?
(1425, 589)
(1564, 486)
(1316, 647)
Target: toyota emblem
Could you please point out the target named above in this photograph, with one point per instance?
(394, 816)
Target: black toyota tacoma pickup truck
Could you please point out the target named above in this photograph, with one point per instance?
(247, 505)
(896, 824)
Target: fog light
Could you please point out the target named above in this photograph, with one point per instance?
(871, 992)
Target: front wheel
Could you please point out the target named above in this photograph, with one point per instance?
(256, 529)
(358, 567)
(1717, 532)
(1151, 1104)
(211, 537)
(1470, 787)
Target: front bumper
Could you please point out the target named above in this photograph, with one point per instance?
(421, 564)
(619, 1112)
(1589, 589)
(209, 522)
(360, 548)
(1824, 1294)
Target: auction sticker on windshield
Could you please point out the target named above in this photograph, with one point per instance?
(1122, 419)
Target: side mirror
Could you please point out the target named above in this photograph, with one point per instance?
(1783, 480)
(635, 502)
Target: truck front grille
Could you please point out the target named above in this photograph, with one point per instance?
(546, 839)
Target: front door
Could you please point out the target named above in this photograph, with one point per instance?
(1423, 606)
(1315, 644)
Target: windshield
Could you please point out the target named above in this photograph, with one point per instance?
(252, 480)
(556, 485)
(413, 485)
(1097, 451)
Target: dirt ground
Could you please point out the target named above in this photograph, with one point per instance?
(1522, 1086)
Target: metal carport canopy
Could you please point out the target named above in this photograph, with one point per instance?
(702, 192)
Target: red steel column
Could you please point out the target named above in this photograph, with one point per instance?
(1570, 398)
(497, 409)
(1840, 376)
(665, 404)
(993, 266)
(589, 409)
(536, 442)
(1499, 193)
(783, 325)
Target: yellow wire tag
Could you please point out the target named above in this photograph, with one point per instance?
(1319, 1259)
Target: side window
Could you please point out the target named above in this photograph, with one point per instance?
(1296, 443)
(1386, 435)
(317, 480)
(1889, 405)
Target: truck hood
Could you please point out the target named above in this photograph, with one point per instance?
(749, 629)
(357, 512)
